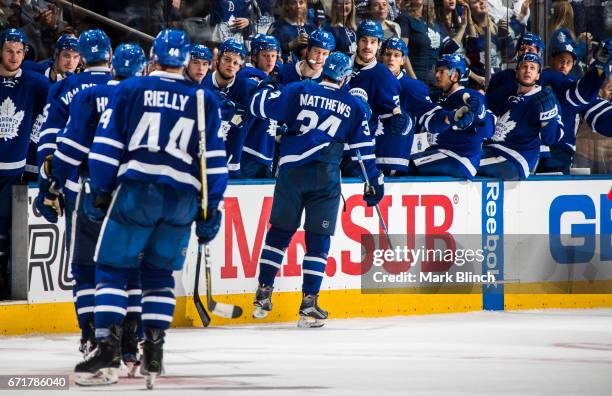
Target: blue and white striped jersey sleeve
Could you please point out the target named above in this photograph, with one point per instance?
(74, 141)
(269, 104)
(56, 116)
(599, 117)
(216, 165)
(109, 141)
(583, 92)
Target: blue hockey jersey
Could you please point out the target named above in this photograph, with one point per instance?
(78, 135)
(223, 10)
(285, 32)
(291, 72)
(465, 146)
(57, 112)
(382, 87)
(320, 119)
(149, 132)
(22, 100)
(393, 151)
(234, 119)
(518, 131)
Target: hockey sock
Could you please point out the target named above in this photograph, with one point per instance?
(134, 309)
(313, 268)
(157, 297)
(272, 254)
(84, 296)
(111, 298)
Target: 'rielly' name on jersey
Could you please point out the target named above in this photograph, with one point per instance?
(164, 99)
(325, 103)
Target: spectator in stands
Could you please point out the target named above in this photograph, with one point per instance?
(451, 22)
(502, 43)
(379, 11)
(561, 24)
(416, 22)
(343, 26)
(292, 29)
(499, 9)
(229, 19)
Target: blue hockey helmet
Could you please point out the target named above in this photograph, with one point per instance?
(15, 35)
(264, 42)
(529, 57)
(394, 43)
(531, 39)
(128, 60)
(454, 63)
(171, 48)
(67, 42)
(321, 39)
(337, 66)
(370, 28)
(232, 45)
(199, 51)
(94, 46)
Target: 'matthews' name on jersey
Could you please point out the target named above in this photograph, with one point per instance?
(325, 103)
(165, 100)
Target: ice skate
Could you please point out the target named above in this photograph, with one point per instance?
(152, 356)
(100, 366)
(130, 353)
(262, 305)
(311, 315)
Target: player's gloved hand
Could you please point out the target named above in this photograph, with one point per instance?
(476, 105)
(547, 104)
(50, 200)
(461, 119)
(206, 230)
(95, 203)
(603, 56)
(376, 190)
(396, 124)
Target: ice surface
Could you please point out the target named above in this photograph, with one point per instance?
(552, 352)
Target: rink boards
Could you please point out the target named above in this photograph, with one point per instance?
(522, 228)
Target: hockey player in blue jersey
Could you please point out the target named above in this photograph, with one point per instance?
(393, 151)
(456, 152)
(599, 115)
(259, 143)
(95, 48)
(559, 157)
(379, 84)
(320, 45)
(321, 118)
(146, 155)
(200, 59)
(70, 157)
(66, 59)
(527, 119)
(22, 97)
(234, 92)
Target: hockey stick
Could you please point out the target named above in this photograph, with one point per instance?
(367, 182)
(223, 310)
(204, 316)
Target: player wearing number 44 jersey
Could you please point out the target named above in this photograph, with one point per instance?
(146, 153)
(321, 118)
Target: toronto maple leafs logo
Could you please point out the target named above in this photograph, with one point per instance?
(504, 125)
(379, 129)
(272, 127)
(561, 37)
(10, 119)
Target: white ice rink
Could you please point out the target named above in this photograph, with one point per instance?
(553, 352)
